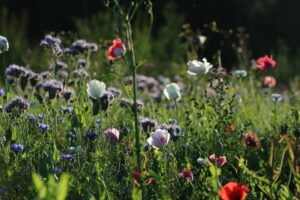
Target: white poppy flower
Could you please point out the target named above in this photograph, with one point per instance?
(4, 45)
(240, 73)
(172, 91)
(198, 67)
(159, 138)
(95, 89)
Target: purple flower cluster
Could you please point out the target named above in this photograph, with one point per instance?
(52, 43)
(174, 130)
(15, 71)
(81, 46)
(148, 124)
(53, 87)
(44, 127)
(129, 103)
(17, 148)
(18, 103)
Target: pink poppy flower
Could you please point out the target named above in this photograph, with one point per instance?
(221, 160)
(186, 174)
(269, 81)
(265, 63)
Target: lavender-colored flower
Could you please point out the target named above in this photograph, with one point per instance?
(52, 43)
(163, 80)
(159, 138)
(66, 109)
(2, 92)
(17, 103)
(60, 65)
(52, 87)
(174, 130)
(17, 148)
(82, 63)
(80, 73)
(67, 93)
(67, 157)
(116, 92)
(45, 75)
(81, 46)
(15, 71)
(112, 134)
(92, 135)
(31, 118)
(62, 74)
(148, 124)
(49, 41)
(44, 127)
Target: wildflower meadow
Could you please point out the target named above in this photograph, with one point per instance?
(96, 123)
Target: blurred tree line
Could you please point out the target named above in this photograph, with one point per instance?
(271, 24)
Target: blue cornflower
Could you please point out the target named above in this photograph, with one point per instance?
(44, 127)
(91, 135)
(31, 118)
(17, 148)
(67, 156)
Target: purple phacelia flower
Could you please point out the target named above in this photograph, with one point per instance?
(67, 93)
(148, 124)
(17, 148)
(17, 103)
(174, 130)
(52, 87)
(15, 71)
(82, 63)
(81, 46)
(52, 43)
(44, 127)
(116, 92)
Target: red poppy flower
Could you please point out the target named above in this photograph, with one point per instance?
(233, 191)
(187, 174)
(116, 50)
(230, 128)
(269, 81)
(265, 63)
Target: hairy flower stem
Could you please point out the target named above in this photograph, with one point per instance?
(134, 89)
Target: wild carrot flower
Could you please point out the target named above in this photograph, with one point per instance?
(265, 63)
(269, 81)
(116, 50)
(219, 160)
(159, 138)
(233, 191)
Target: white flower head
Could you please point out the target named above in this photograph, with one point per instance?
(95, 89)
(198, 67)
(202, 39)
(172, 91)
(4, 45)
(159, 138)
(277, 97)
(240, 73)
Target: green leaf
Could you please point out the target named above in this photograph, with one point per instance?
(136, 194)
(39, 186)
(62, 188)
